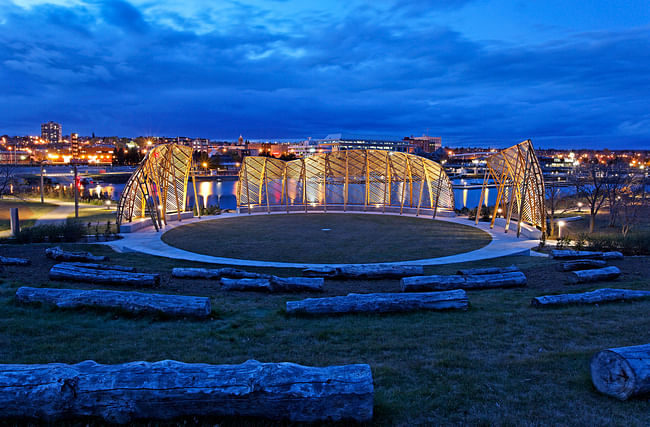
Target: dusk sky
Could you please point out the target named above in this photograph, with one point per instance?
(565, 73)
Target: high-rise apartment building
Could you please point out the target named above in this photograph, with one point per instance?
(51, 132)
(74, 145)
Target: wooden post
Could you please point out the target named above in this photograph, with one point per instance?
(523, 194)
(515, 180)
(407, 169)
(304, 183)
(383, 209)
(42, 196)
(417, 212)
(480, 200)
(15, 222)
(325, 163)
(498, 201)
(248, 194)
(365, 203)
(266, 185)
(435, 208)
(347, 181)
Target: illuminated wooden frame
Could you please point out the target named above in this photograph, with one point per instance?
(369, 178)
(520, 186)
(158, 187)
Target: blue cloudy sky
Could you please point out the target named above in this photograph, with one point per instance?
(566, 73)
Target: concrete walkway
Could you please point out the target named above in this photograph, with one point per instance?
(149, 241)
(63, 211)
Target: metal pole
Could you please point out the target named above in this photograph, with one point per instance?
(42, 197)
(76, 194)
(480, 200)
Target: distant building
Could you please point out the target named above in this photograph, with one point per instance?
(51, 132)
(338, 141)
(74, 145)
(423, 144)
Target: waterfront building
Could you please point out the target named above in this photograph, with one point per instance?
(74, 145)
(51, 132)
(339, 141)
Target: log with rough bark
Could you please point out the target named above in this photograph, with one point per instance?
(570, 254)
(65, 271)
(622, 372)
(59, 254)
(444, 283)
(364, 271)
(135, 302)
(594, 297)
(216, 273)
(14, 261)
(584, 276)
(100, 266)
(580, 264)
(170, 389)
(380, 303)
(274, 284)
(488, 270)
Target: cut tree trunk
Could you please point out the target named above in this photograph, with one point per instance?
(59, 254)
(444, 283)
(380, 303)
(99, 266)
(584, 276)
(569, 254)
(136, 302)
(622, 372)
(14, 261)
(488, 270)
(364, 271)
(64, 271)
(274, 284)
(594, 297)
(170, 389)
(580, 264)
(216, 273)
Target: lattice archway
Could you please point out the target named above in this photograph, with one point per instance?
(158, 187)
(520, 186)
(373, 179)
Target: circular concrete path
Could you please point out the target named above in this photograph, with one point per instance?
(148, 241)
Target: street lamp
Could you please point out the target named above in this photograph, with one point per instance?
(579, 206)
(560, 224)
(205, 166)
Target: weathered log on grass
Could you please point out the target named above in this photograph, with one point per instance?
(14, 261)
(569, 254)
(444, 283)
(58, 254)
(622, 372)
(135, 302)
(380, 303)
(599, 274)
(581, 264)
(216, 273)
(364, 271)
(274, 284)
(65, 271)
(100, 266)
(594, 297)
(170, 389)
(488, 270)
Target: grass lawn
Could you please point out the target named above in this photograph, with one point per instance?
(351, 238)
(499, 363)
(28, 212)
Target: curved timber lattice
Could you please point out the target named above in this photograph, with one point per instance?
(520, 183)
(373, 179)
(158, 187)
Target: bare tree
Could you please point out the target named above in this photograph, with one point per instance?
(555, 204)
(634, 202)
(6, 178)
(590, 181)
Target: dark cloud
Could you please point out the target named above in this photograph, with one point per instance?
(360, 72)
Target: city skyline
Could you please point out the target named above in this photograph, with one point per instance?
(473, 72)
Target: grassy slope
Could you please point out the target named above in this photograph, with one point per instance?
(28, 212)
(352, 238)
(501, 362)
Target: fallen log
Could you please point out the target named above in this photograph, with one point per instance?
(569, 254)
(14, 261)
(135, 302)
(274, 284)
(380, 303)
(58, 254)
(444, 283)
(100, 266)
(216, 273)
(594, 297)
(65, 271)
(169, 389)
(622, 372)
(580, 264)
(364, 271)
(584, 276)
(488, 270)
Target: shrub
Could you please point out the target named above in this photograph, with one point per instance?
(69, 231)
